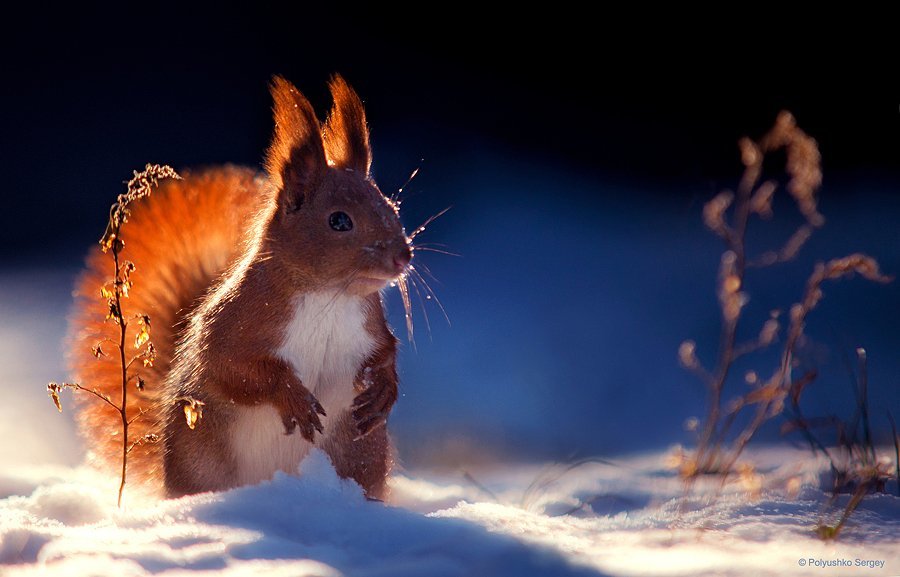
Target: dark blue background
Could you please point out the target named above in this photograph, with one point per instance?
(577, 163)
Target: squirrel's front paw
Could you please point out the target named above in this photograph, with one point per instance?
(372, 406)
(302, 410)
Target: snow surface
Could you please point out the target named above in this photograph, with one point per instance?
(630, 517)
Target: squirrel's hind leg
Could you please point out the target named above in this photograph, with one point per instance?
(367, 460)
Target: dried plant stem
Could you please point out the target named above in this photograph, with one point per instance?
(829, 532)
(140, 186)
(728, 215)
(123, 325)
(896, 451)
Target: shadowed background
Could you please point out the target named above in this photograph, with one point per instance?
(576, 169)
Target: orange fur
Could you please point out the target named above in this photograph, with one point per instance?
(180, 239)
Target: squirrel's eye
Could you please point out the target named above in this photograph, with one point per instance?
(340, 221)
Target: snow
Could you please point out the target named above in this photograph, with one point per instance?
(639, 521)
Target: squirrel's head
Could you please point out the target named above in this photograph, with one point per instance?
(332, 227)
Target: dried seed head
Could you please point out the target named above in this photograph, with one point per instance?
(731, 284)
(687, 354)
(761, 202)
(804, 164)
(714, 213)
(769, 332)
(750, 153)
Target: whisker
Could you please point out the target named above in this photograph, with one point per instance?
(432, 293)
(427, 270)
(437, 244)
(404, 295)
(425, 224)
(429, 249)
(421, 303)
(396, 196)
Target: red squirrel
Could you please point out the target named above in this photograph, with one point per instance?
(264, 295)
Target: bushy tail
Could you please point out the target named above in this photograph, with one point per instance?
(180, 240)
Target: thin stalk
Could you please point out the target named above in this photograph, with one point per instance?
(122, 333)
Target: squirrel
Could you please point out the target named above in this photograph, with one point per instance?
(264, 291)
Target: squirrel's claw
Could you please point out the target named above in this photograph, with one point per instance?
(371, 407)
(305, 414)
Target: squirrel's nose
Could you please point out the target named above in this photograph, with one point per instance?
(402, 258)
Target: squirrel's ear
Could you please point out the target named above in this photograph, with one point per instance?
(346, 132)
(296, 158)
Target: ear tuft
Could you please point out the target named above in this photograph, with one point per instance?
(346, 133)
(296, 157)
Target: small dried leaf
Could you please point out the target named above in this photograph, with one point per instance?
(193, 411)
(191, 416)
(142, 336)
(109, 237)
(97, 351)
(53, 390)
(141, 384)
(106, 293)
(113, 312)
(149, 355)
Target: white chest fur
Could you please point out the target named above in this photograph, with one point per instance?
(326, 343)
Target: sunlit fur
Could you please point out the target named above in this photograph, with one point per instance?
(267, 304)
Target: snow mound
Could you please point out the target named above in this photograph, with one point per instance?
(316, 525)
(628, 518)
